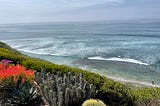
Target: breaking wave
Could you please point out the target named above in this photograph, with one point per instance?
(118, 59)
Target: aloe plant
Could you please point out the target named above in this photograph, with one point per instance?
(25, 94)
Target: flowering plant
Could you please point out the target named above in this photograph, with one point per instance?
(17, 84)
(13, 74)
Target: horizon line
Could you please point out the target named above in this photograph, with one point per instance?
(110, 20)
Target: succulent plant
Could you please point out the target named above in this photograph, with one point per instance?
(25, 94)
(93, 102)
(63, 90)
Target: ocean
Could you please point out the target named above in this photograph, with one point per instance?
(128, 51)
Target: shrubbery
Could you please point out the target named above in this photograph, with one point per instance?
(111, 92)
(115, 94)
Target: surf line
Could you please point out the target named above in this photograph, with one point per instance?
(129, 60)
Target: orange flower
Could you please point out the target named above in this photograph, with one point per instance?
(15, 72)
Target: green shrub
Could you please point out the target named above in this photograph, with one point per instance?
(115, 94)
(146, 93)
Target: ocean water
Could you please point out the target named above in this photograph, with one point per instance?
(122, 50)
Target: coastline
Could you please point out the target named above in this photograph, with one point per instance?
(132, 82)
(112, 77)
(119, 77)
(127, 81)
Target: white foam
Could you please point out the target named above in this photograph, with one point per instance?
(57, 54)
(118, 59)
(33, 52)
(39, 53)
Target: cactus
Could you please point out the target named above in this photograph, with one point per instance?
(52, 98)
(93, 102)
(67, 96)
(64, 90)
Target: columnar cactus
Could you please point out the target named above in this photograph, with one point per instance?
(93, 102)
(64, 90)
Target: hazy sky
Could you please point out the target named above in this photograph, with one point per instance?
(13, 11)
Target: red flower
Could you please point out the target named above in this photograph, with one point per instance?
(15, 72)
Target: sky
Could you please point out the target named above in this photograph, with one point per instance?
(19, 11)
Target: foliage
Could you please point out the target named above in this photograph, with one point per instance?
(148, 102)
(25, 94)
(148, 96)
(93, 102)
(115, 94)
(146, 93)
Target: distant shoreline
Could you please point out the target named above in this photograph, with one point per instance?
(132, 82)
(127, 81)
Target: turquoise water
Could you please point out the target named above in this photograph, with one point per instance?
(124, 50)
